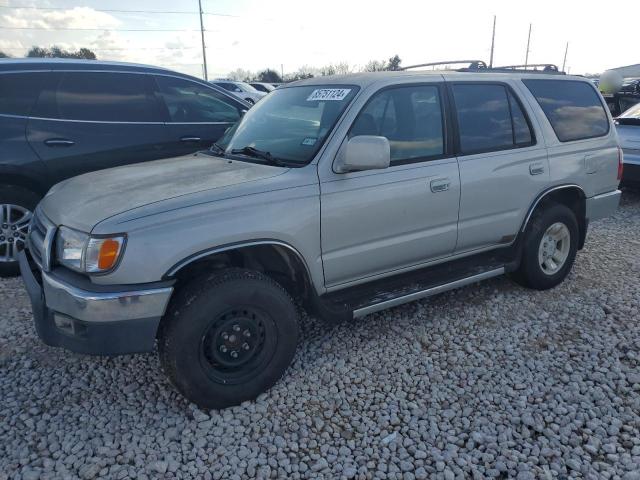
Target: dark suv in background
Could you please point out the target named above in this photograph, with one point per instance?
(61, 118)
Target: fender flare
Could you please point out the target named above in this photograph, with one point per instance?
(542, 196)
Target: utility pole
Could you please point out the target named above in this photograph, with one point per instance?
(204, 53)
(526, 58)
(564, 62)
(282, 71)
(493, 42)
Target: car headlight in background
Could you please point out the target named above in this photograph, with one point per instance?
(83, 253)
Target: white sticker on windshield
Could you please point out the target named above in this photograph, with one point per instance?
(328, 94)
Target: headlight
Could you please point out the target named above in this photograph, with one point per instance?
(70, 245)
(83, 253)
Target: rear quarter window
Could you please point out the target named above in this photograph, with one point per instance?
(573, 108)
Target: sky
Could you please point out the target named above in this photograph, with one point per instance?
(289, 34)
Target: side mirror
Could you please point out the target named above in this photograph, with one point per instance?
(364, 152)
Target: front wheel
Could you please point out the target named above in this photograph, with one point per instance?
(228, 337)
(550, 247)
(16, 207)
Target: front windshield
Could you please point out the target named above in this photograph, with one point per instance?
(290, 123)
(246, 87)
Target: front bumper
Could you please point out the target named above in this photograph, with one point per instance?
(603, 205)
(100, 320)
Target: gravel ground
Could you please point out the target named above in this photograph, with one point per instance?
(487, 381)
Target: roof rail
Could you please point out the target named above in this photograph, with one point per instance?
(472, 64)
(532, 67)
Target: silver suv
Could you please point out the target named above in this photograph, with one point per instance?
(350, 193)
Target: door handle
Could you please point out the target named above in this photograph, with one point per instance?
(59, 142)
(190, 139)
(440, 185)
(536, 168)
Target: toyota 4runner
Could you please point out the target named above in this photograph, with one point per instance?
(350, 193)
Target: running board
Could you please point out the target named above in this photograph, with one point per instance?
(393, 302)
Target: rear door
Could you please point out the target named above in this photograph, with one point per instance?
(503, 167)
(198, 114)
(86, 121)
(378, 221)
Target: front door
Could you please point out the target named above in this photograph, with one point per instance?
(378, 221)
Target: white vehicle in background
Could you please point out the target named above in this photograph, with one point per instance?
(242, 90)
(628, 127)
(263, 87)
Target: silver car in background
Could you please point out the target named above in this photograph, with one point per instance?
(628, 126)
(242, 90)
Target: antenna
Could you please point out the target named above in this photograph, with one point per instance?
(526, 58)
(564, 62)
(493, 42)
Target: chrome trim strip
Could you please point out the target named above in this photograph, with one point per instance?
(183, 263)
(544, 194)
(361, 312)
(104, 307)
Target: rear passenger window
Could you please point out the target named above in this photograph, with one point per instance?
(572, 107)
(107, 97)
(18, 92)
(191, 102)
(409, 117)
(489, 118)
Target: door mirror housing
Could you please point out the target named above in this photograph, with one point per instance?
(364, 152)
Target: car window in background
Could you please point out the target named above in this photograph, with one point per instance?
(104, 96)
(410, 117)
(572, 107)
(232, 87)
(630, 117)
(191, 102)
(18, 92)
(291, 123)
(486, 119)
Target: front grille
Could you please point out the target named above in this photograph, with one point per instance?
(41, 234)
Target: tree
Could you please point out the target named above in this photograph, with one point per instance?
(394, 63)
(268, 76)
(375, 66)
(241, 75)
(4, 55)
(57, 52)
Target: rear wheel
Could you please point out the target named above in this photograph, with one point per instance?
(16, 209)
(228, 337)
(550, 247)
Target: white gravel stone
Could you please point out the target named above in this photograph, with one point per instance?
(489, 381)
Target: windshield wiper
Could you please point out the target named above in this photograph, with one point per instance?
(217, 149)
(254, 152)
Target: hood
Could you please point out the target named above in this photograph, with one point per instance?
(82, 202)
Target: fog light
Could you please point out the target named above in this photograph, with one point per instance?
(64, 323)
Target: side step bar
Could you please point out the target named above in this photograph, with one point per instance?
(376, 307)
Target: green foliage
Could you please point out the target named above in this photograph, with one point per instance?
(268, 76)
(57, 52)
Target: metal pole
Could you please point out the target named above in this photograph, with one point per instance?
(493, 42)
(564, 62)
(204, 53)
(282, 72)
(526, 58)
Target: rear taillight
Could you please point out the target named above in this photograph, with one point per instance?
(620, 163)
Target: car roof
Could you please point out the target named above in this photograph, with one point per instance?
(365, 79)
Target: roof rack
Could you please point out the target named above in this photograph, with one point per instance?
(532, 67)
(472, 64)
(480, 66)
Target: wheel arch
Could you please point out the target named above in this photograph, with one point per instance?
(9, 178)
(571, 195)
(275, 258)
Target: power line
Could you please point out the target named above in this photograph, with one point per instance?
(101, 29)
(113, 49)
(108, 10)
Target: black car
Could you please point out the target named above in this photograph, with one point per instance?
(61, 118)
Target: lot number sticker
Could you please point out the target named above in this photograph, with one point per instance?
(328, 94)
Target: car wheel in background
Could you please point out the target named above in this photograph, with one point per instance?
(16, 207)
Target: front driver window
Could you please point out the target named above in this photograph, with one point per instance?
(410, 117)
(191, 102)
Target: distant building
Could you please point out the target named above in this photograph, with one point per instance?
(628, 71)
